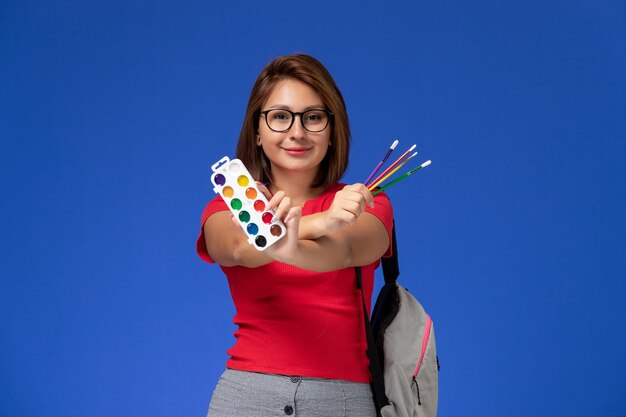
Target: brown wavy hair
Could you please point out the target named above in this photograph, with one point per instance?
(310, 71)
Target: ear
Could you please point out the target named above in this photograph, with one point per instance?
(258, 140)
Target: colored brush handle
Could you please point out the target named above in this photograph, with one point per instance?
(401, 177)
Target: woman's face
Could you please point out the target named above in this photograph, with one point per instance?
(297, 149)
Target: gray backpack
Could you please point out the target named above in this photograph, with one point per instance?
(401, 348)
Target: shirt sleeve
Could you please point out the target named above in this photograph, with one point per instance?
(215, 205)
(384, 212)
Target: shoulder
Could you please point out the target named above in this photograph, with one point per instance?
(383, 210)
(217, 204)
(213, 206)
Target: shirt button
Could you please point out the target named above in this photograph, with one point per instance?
(288, 410)
(295, 379)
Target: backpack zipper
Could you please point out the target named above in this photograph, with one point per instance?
(417, 391)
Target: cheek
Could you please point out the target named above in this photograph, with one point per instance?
(265, 137)
(327, 140)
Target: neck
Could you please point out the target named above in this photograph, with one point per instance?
(297, 185)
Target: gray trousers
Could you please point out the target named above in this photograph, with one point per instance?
(251, 394)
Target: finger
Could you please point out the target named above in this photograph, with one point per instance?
(275, 200)
(294, 215)
(283, 207)
(352, 209)
(354, 201)
(367, 194)
(360, 192)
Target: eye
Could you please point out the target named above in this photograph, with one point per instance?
(280, 115)
(315, 116)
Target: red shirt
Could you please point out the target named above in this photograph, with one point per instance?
(297, 322)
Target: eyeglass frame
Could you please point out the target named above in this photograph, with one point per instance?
(329, 114)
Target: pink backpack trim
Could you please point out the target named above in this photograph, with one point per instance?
(429, 324)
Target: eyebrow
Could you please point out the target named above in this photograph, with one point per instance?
(286, 107)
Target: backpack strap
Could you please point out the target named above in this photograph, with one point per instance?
(391, 268)
(378, 381)
(391, 271)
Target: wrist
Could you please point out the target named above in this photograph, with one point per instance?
(313, 226)
(287, 257)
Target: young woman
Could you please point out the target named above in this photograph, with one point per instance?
(300, 345)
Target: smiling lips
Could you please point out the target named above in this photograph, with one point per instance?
(296, 151)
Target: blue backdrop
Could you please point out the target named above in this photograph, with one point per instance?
(514, 239)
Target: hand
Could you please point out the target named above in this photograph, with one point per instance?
(279, 203)
(286, 248)
(348, 204)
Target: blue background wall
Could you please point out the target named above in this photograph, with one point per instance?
(111, 113)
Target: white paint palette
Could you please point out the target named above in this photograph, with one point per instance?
(234, 183)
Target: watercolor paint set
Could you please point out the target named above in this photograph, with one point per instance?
(234, 183)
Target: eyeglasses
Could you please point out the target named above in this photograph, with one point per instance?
(281, 120)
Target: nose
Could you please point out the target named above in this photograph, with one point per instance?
(297, 130)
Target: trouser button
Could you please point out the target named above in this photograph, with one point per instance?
(295, 379)
(288, 410)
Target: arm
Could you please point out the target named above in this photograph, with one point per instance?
(339, 237)
(346, 207)
(228, 244)
(357, 245)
